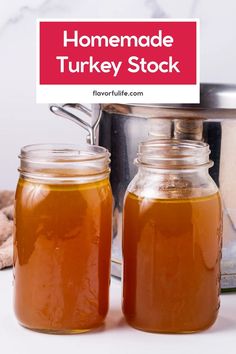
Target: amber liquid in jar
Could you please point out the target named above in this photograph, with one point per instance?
(171, 249)
(62, 255)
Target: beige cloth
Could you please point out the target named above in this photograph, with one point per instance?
(6, 228)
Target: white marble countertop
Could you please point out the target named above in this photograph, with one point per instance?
(115, 337)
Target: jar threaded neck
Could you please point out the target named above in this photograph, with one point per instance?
(63, 161)
(173, 153)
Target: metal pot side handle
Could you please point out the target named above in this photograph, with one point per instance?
(94, 113)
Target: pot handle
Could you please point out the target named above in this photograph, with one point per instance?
(95, 112)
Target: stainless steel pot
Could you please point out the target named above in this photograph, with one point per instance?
(120, 127)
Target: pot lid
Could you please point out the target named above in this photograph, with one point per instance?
(213, 96)
(217, 101)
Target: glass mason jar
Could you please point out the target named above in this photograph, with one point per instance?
(172, 235)
(62, 240)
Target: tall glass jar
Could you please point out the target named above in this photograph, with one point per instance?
(172, 235)
(62, 239)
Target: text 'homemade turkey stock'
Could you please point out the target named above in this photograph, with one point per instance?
(138, 61)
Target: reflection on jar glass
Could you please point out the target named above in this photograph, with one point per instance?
(172, 237)
(62, 238)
